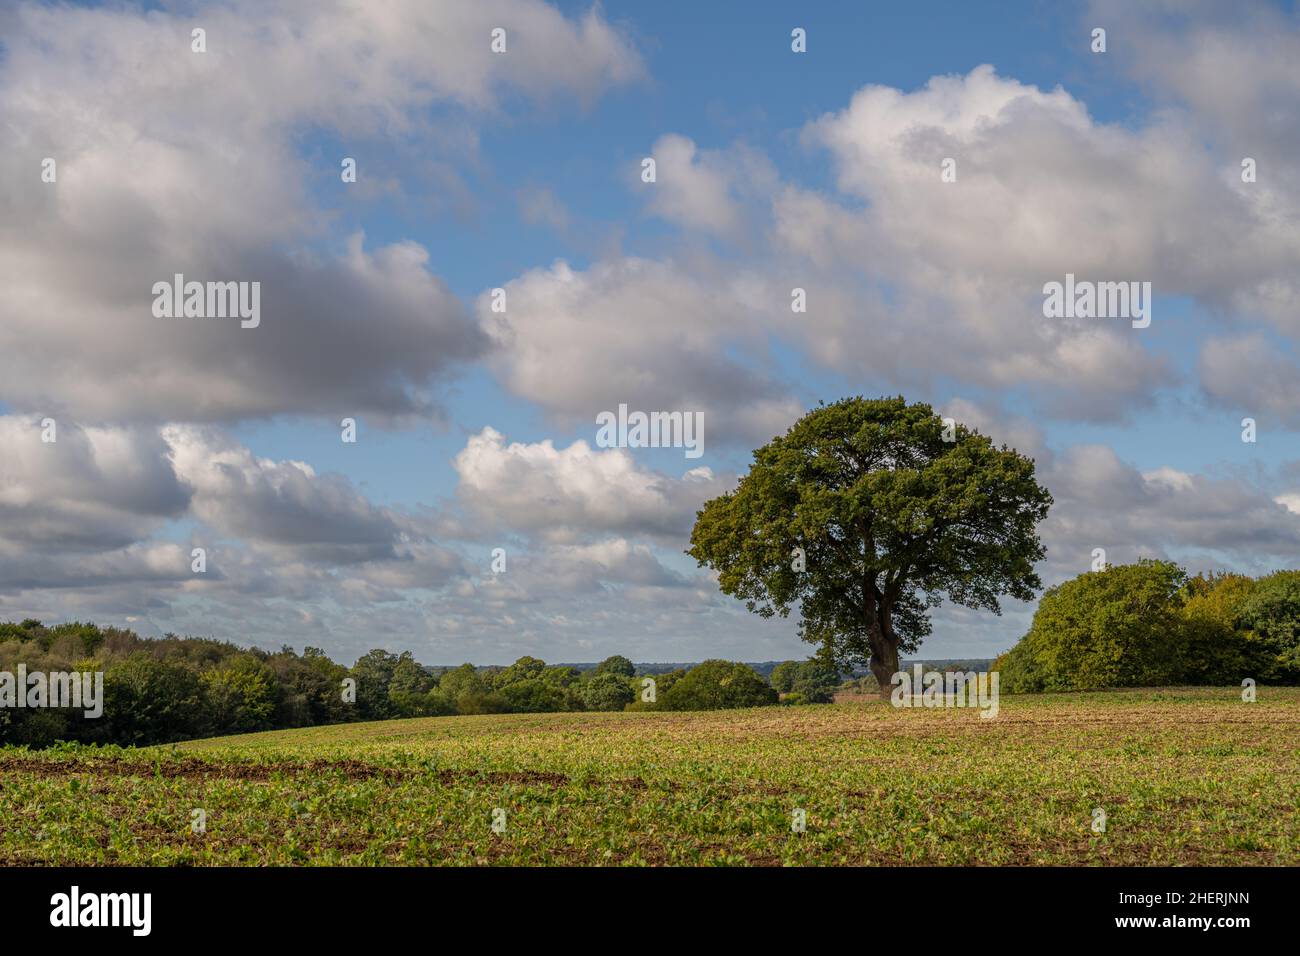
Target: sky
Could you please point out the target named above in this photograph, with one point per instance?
(522, 171)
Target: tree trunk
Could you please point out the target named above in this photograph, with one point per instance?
(884, 650)
(880, 628)
(884, 665)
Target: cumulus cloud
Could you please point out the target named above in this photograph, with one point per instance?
(1230, 74)
(90, 489)
(705, 190)
(1042, 188)
(1105, 502)
(563, 494)
(654, 335)
(910, 279)
(948, 276)
(279, 503)
(1249, 374)
(192, 166)
(104, 506)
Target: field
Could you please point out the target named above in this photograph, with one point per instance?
(1184, 776)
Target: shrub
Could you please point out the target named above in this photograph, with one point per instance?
(617, 664)
(1270, 615)
(1214, 650)
(532, 696)
(150, 701)
(815, 681)
(1121, 627)
(783, 676)
(607, 691)
(717, 684)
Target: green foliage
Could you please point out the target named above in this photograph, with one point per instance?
(607, 691)
(309, 689)
(1019, 671)
(409, 689)
(1271, 617)
(172, 688)
(526, 668)
(815, 681)
(783, 676)
(1113, 628)
(805, 682)
(476, 702)
(152, 701)
(717, 685)
(1214, 650)
(887, 517)
(663, 683)
(1148, 624)
(618, 664)
(532, 695)
(461, 681)
(373, 673)
(562, 676)
(237, 699)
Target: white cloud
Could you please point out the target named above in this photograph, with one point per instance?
(704, 190)
(1104, 502)
(192, 166)
(564, 494)
(91, 489)
(653, 335)
(1248, 374)
(913, 278)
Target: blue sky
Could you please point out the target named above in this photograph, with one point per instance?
(718, 74)
(521, 171)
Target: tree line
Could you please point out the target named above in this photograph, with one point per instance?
(1143, 624)
(160, 690)
(1152, 624)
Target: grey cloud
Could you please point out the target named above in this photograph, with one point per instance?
(190, 166)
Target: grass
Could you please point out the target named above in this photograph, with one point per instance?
(1185, 776)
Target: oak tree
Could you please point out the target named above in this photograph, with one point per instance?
(866, 514)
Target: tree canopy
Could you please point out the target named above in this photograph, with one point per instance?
(865, 515)
(1149, 624)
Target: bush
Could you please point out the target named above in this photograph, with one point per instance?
(607, 691)
(815, 681)
(783, 676)
(237, 700)
(716, 685)
(532, 696)
(149, 701)
(1121, 627)
(1214, 649)
(1018, 670)
(1270, 615)
(618, 665)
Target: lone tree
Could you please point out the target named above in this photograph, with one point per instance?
(866, 513)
